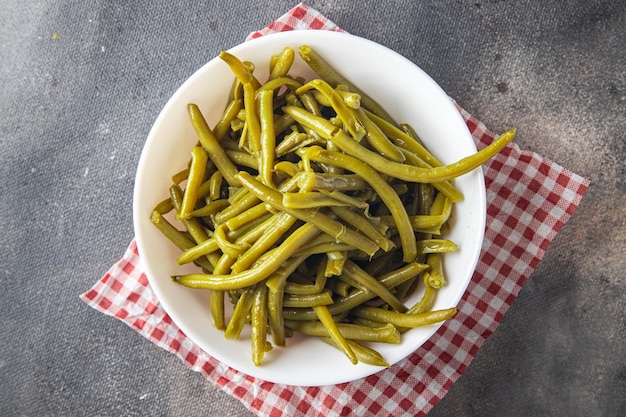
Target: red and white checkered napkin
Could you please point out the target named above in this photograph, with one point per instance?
(529, 200)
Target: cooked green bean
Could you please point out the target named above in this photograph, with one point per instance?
(258, 324)
(322, 298)
(212, 208)
(360, 296)
(364, 225)
(385, 333)
(202, 249)
(308, 181)
(199, 160)
(252, 122)
(397, 170)
(434, 276)
(216, 304)
(435, 246)
(276, 284)
(212, 146)
(382, 188)
(333, 331)
(363, 353)
(310, 199)
(240, 314)
(221, 127)
(282, 63)
(366, 281)
(313, 216)
(403, 319)
(307, 289)
(280, 226)
(377, 139)
(271, 261)
(191, 224)
(240, 69)
(177, 237)
(347, 117)
(180, 176)
(164, 206)
(330, 75)
(267, 138)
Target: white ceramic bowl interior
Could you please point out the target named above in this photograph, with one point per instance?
(407, 93)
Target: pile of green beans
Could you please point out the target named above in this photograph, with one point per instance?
(311, 210)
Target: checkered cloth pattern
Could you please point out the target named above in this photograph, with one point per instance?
(529, 200)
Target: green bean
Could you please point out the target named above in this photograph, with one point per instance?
(239, 217)
(385, 333)
(341, 288)
(348, 119)
(272, 260)
(212, 208)
(215, 185)
(336, 262)
(311, 199)
(268, 137)
(244, 203)
(253, 229)
(199, 160)
(208, 246)
(252, 123)
(164, 206)
(307, 289)
(435, 246)
(310, 103)
(434, 276)
(180, 176)
(364, 225)
(363, 353)
(280, 226)
(294, 141)
(403, 319)
(221, 127)
(426, 302)
(313, 216)
(212, 146)
(282, 123)
(216, 304)
(240, 314)
(368, 282)
(278, 83)
(382, 188)
(191, 224)
(258, 324)
(243, 159)
(401, 171)
(325, 248)
(332, 330)
(177, 237)
(404, 140)
(446, 187)
(330, 75)
(308, 181)
(240, 69)
(282, 63)
(360, 296)
(276, 284)
(377, 139)
(322, 298)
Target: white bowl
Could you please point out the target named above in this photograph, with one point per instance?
(407, 93)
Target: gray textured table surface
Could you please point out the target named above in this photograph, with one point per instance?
(82, 82)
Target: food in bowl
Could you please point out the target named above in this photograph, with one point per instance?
(311, 210)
